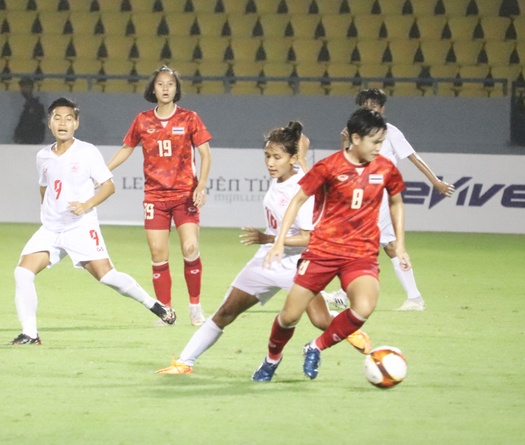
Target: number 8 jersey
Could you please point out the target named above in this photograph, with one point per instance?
(168, 146)
(347, 202)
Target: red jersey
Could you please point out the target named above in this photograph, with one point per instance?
(168, 146)
(348, 198)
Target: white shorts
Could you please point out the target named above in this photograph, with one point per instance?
(82, 244)
(263, 282)
(385, 223)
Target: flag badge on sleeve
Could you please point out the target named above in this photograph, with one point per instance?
(177, 130)
(375, 179)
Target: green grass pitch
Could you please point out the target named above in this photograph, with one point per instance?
(92, 381)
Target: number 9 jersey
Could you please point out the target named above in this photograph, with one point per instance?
(168, 146)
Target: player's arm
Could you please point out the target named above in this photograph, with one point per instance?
(42, 193)
(289, 217)
(105, 190)
(254, 236)
(120, 156)
(397, 214)
(199, 194)
(443, 187)
(302, 149)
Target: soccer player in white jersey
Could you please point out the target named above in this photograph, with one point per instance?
(396, 148)
(285, 148)
(67, 172)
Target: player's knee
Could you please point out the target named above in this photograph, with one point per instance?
(190, 251)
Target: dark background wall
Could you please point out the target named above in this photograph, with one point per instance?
(431, 124)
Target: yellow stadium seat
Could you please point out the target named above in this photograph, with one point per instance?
(213, 48)
(275, 49)
(359, 7)
(467, 52)
(119, 47)
(488, 8)
(434, 51)
(274, 25)
(115, 23)
(338, 86)
(282, 86)
(54, 66)
(83, 23)
(210, 25)
(245, 49)
(462, 28)
(266, 6)
(114, 67)
(234, 6)
(311, 71)
(390, 7)
(423, 8)
(519, 24)
(498, 52)
(182, 47)
(370, 52)
(52, 22)
(20, 22)
(304, 26)
(368, 26)
(403, 51)
(179, 24)
(22, 65)
(476, 89)
(398, 27)
(495, 27)
(328, 6)
(202, 6)
(109, 5)
(87, 47)
(431, 27)
(455, 8)
(339, 50)
(306, 50)
(21, 46)
(54, 45)
(241, 25)
(336, 25)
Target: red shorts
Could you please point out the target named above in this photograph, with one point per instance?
(315, 273)
(158, 214)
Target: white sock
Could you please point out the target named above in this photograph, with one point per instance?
(26, 300)
(203, 339)
(126, 285)
(407, 279)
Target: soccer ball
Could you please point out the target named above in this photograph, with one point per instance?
(385, 366)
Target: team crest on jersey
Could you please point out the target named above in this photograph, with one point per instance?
(74, 168)
(177, 130)
(375, 179)
(150, 130)
(342, 178)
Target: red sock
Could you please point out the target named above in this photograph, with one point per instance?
(162, 283)
(278, 339)
(193, 276)
(340, 328)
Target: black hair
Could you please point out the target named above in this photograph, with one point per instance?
(64, 102)
(365, 122)
(288, 137)
(374, 95)
(149, 92)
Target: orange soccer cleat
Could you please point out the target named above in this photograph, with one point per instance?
(176, 368)
(361, 341)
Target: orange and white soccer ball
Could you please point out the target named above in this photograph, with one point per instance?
(385, 366)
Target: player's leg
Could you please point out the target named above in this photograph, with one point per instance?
(26, 300)
(414, 301)
(158, 243)
(125, 285)
(189, 243)
(236, 302)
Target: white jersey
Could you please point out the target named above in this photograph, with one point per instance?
(69, 177)
(276, 202)
(395, 146)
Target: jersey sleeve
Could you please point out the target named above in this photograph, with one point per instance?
(200, 133)
(402, 148)
(314, 178)
(304, 218)
(395, 183)
(133, 136)
(98, 168)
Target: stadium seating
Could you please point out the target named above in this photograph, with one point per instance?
(312, 38)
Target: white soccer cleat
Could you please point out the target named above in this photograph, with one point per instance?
(197, 315)
(416, 305)
(337, 299)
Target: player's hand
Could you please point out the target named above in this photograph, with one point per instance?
(345, 138)
(78, 208)
(445, 189)
(275, 253)
(253, 236)
(404, 260)
(302, 146)
(199, 196)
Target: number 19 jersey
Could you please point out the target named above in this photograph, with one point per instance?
(168, 146)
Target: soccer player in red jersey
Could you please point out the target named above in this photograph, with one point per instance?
(348, 188)
(169, 135)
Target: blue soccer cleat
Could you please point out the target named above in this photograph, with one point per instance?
(312, 361)
(266, 371)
